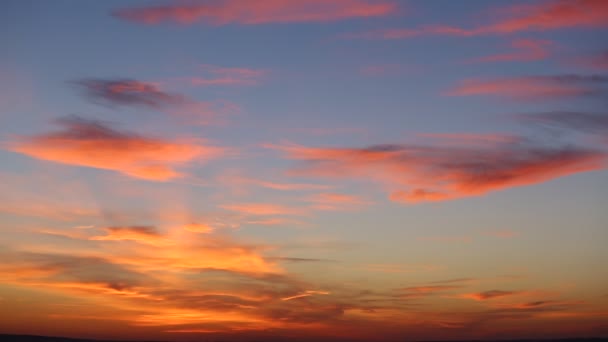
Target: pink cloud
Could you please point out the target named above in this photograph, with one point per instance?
(222, 12)
(541, 16)
(533, 87)
(525, 50)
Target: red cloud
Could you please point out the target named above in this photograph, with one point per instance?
(525, 50)
(549, 15)
(94, 144)
(129, 92)
(228, 76)
(440, 173)
(533, 87)
(488, 294)
(222, 12)
(597, 61)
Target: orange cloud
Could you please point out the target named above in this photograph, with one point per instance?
(542, 16)
(305, 294)
(262, 209)
(525, 50)
(141, 234)
(198, 228)
(437, 173)
(533, 87)
(94, 144)
(224, 12)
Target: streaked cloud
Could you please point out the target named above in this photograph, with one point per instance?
(335, 201)
(540, 16)
(534, 87)
(140, 234)
(223, 12)
(262, 209)
(89, 143)
(598, 61)
(486, 295)
(524, 50)
(444, 172)
(592, 123)
(128, 92)
(214, 75)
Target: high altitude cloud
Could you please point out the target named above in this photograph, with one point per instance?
(534, 87)
(541, 16)
(216, 75)
(436, 173)
(94, 144)
(336, 201)
(488, 294)
(597, 61)
(594, 123)
(127, 92)
(141, 234)
(222, 12)
(524, 50)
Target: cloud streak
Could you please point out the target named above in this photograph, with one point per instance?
(223, 12)
(534, 87)
(524, 50)
(541, 16)
(438, 173)
(94, 144)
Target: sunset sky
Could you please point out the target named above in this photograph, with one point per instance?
(299, 169)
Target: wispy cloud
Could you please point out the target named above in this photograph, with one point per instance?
(214, 75)
(593, 123)
(436, 173)
(486, 295)
(524, 50)
(262, 209)
(534, 87)
(222, 12)
(598, 61)
(335, 201)
(541, 16)
(95, 144)
(128, 92)
(140, 234)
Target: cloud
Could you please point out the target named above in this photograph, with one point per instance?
(598, 61)
(223, 76)
(262, 209)
(90, 143)
(198, 228)
(593, 123)
(541, 16)
(445, 172)
(140, 234)
(423, 291)
(306, 293)
(525, 50)
(334, 201)
(128, 92)
(488, 294)
(222, 12)
(534, 87)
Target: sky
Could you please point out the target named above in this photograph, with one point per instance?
(238, 170)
